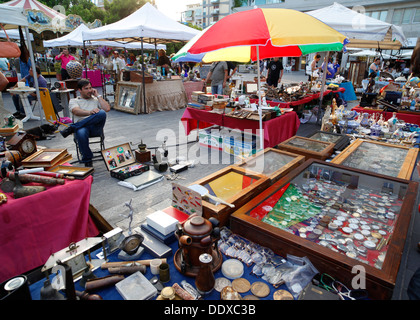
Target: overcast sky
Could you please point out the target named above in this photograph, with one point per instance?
(173, 8)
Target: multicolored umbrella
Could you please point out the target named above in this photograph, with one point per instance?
(259, 34)
(274, 32)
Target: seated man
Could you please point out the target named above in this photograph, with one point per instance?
(89, 110)
(29, 79)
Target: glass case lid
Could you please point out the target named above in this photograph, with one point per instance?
(307, 144)
(326, 137)
(346, 211)
(268, 162)
(378, 158)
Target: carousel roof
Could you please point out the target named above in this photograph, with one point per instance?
(35, 5)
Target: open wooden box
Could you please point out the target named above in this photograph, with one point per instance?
(309, 148)
(233, 185)
(383, 158)
(272, 163)
(298, 222)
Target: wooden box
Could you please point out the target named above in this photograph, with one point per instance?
(383, 158)
(308, 147)
(46, 158)
(137, 76)
(272, 163)
(71, 171)
(378, 204)
(233, 185)
(121, 162)
(127, 97)
(340, 141)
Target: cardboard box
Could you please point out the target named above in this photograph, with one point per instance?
(162, 222)
(211, 137)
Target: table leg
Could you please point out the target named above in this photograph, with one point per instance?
(65, 104)
(28, 108)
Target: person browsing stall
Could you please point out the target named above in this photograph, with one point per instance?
(30, 81)
(218, 75)
(314, 66)
(275, 72)
(374, 67)
(89, 111)
(163, 61)
(65, 57)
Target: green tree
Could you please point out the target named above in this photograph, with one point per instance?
(119, 9)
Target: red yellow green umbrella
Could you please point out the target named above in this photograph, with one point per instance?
(275, 32)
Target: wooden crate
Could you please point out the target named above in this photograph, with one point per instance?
(340, 141)
(402, 169)
(307, 147)
(272, 163)
(245, 192)
(380, 282)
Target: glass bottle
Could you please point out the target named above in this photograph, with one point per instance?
(205, 277)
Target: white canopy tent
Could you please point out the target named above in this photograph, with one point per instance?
(147, 25)
(75, 39)
(370, 53)
(14, 34)
(361, 30)
(12, 17)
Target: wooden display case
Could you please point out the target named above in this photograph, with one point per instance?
(303, 204)
(383, 158)
(307, 147)
(272, 163)
(127, 97)
(233, 185)
(340, 141)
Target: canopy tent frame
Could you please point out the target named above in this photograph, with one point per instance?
(122, 31)
(15, 19)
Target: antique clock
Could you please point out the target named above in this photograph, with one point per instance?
(23, 142)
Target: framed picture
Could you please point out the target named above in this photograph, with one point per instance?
(45, 158)
(76, 172)
(127, 97)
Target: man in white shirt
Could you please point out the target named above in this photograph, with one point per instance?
(89, 110)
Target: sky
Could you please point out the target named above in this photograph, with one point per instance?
(173, 8)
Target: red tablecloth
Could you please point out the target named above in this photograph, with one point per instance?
(34, 227)
(305, 100)
(275, 130)
(406, 117)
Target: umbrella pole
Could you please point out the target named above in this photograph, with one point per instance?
(259, 100)
(324, 77)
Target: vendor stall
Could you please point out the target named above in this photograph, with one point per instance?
(275, 130)
(160, 96)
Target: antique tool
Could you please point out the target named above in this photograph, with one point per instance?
(20, 191)
(205, 193)
(108, 265)
(26, 178)
(128, 269)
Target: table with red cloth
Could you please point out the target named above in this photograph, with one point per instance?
(276, 130)
(406, 116)
(191, 86)
(35, 226)
(308, 98)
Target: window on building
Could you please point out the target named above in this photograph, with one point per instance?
(416, 18)
(408, 15)
(383, 15)
(397, 16)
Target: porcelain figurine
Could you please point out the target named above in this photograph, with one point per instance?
(364, 122)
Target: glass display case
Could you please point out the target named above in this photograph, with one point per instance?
(233, 185)
(272, 163)
(340, 141)
(127, 97)
(338, 217)
(308, 147)
(387, 159)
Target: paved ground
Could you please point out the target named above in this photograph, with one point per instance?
(109, 198)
